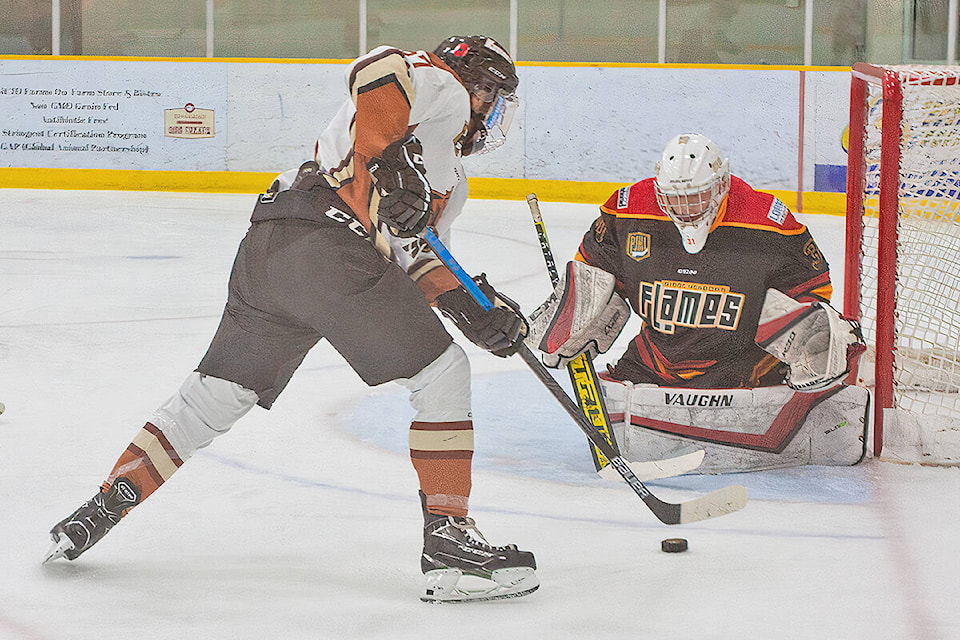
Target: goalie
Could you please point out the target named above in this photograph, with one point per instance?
(739, 352)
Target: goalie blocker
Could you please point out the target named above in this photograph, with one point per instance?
(583, 315)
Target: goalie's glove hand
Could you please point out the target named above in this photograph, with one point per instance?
(500, 330)
(399, 177)
(813, 339)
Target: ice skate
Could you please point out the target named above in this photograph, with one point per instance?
(85, 526)
(459, 565)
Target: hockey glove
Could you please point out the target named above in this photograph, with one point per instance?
(584, 314)
(399, 177)
(500, 330)
(819, 345)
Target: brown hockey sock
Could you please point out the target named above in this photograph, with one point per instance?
(441, 453)
(148, 462)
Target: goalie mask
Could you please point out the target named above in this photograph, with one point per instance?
(692, 179)
(487, 71)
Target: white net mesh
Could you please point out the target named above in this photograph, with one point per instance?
(927, 319)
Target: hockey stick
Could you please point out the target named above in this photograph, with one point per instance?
(717, 503)
(583, 375)
(586, 384)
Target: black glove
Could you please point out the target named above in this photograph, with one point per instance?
(398, 175)
(500, 330)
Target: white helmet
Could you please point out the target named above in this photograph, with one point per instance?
(692, 179)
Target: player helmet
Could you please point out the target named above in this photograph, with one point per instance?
(692, 179)
(487, 71)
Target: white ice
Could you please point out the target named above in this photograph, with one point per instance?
(303, 522)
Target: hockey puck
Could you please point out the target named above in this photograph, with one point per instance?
(673, 545)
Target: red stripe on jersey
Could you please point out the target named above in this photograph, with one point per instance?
(816, 288)
(659, 364)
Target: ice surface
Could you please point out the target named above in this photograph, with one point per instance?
(303, 522)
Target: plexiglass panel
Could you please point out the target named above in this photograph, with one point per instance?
(598, 31)
(286, 29)
(732, 32)
(423, 24)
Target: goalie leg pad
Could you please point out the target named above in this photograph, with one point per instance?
(583, 314)
(740, 429)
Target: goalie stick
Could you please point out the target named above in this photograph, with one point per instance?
(586, 384)
(716, 503)
(583, 375)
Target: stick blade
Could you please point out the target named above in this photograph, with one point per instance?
(657, 469)
(714, 504)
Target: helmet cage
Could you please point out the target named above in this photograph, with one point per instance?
(693, 205)
(488, 73)
(692, 179)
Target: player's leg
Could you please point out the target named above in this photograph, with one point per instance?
(383, 326)
(249, 361)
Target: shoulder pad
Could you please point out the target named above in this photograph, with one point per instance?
(748, 207)
(633, 200)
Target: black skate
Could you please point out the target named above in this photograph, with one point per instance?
(85, 526)
(460, 565)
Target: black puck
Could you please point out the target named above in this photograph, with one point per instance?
(673, 545)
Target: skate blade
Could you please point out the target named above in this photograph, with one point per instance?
(61, 544)
(450, 585)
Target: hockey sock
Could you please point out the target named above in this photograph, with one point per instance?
(442, 453)
(148, 462)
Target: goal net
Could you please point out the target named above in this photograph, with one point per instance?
(902, 278)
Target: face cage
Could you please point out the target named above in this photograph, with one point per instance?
(692, 207)
(496, 122)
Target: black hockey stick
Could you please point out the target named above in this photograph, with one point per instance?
(717, 503)
(586, 384)
(583, 375)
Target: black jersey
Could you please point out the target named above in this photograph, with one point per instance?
(700, 311)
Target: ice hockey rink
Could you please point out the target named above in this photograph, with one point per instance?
(303, 521)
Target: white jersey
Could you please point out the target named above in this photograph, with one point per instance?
(393, 92)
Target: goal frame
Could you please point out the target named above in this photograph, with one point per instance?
(890, 81)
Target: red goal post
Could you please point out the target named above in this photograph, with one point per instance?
(902, 275)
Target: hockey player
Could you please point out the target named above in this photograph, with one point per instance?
(313, 266)
(733, 294)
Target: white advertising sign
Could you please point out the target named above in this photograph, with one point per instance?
(110, 114)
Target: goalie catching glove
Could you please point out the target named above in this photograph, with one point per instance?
(583, 314)
(499, 330)
(818, 345)
(400, 180)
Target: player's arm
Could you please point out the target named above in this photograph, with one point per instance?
(804, 274)
(499, 330)
(389, 180)
(599, 246)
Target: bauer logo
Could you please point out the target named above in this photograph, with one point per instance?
(638, 245)
(188, 122)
